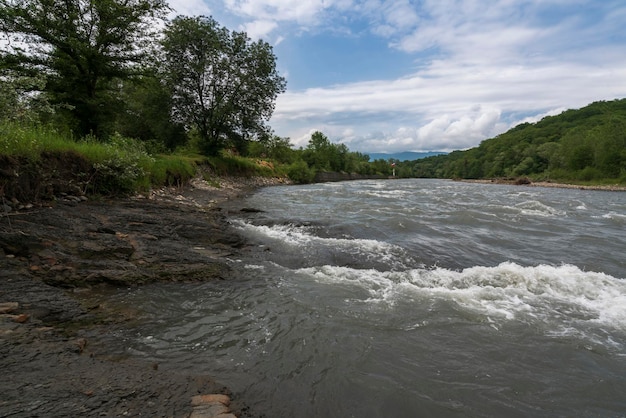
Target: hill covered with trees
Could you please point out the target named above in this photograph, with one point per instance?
(583, 145)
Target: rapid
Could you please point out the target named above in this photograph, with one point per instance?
(407, 298)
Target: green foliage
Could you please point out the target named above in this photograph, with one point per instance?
(21, 99)
(323, 155)
(229, 164)
(299, 172)
(148, 106)
(273, 147)
(223, 84)
(28, 140)
(588, 144)
(83, 47)
(168, 170)
(120, 165)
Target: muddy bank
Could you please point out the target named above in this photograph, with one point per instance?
(54, 332)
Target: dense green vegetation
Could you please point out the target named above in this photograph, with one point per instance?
(134, 100)
(585, 145)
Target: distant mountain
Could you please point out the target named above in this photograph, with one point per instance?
(403, 156)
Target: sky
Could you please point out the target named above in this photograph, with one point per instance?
(429, 75)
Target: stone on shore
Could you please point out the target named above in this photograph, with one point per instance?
(214, 397)
(211, 406)
(8, 307)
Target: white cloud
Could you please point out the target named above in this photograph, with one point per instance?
(259, 29)
(460, 133)
(445, 106)
(190, 7)
(302, 12)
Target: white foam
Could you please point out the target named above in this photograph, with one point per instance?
(615, 216)
(536, 208)
(508, 291)
(301, 237)
(386, 194)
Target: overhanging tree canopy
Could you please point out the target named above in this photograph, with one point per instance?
(82, 46)
(223, 84)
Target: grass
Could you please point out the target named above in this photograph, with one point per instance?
(17, 140)
(120, 165)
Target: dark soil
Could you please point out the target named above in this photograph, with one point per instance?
(54, 334)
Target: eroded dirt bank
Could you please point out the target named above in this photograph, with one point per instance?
(53, 333)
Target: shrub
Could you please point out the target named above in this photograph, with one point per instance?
(170, 170)
(121, 165)
(299, 172)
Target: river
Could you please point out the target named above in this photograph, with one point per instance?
(409, 298)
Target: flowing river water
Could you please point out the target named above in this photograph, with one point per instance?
(409, 298)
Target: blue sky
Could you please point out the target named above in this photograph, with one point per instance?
(423, 75)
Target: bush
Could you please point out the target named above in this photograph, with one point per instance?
(121, 165)
(299, 172)
(589, 174)
(229, 164)
(170, 170)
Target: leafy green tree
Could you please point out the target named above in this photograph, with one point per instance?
(82, 46)
(317, 152)
(223, 84)
(147, 114)
(274, 147)
(20, 100)
(300, 172)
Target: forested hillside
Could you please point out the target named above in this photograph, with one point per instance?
(587, 144)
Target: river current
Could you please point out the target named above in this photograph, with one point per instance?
(409, 298)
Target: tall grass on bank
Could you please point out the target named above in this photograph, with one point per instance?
(29, 141)
(229, 164)
(118, 166)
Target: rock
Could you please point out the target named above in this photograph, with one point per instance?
(210, 406)
(20, 244)
(137, 241)
(21, 318)
(8, 307)
(205, 399)
(251, 210)
(209, 410)
(78, 346)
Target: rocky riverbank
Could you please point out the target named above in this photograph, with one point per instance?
(54, 332)
(526, 182)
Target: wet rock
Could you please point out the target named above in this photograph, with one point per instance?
(251, 210)
(211, 398)
(21, 318)
(8, 307)
(209, 410)
(211, 406)
(47, 253)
